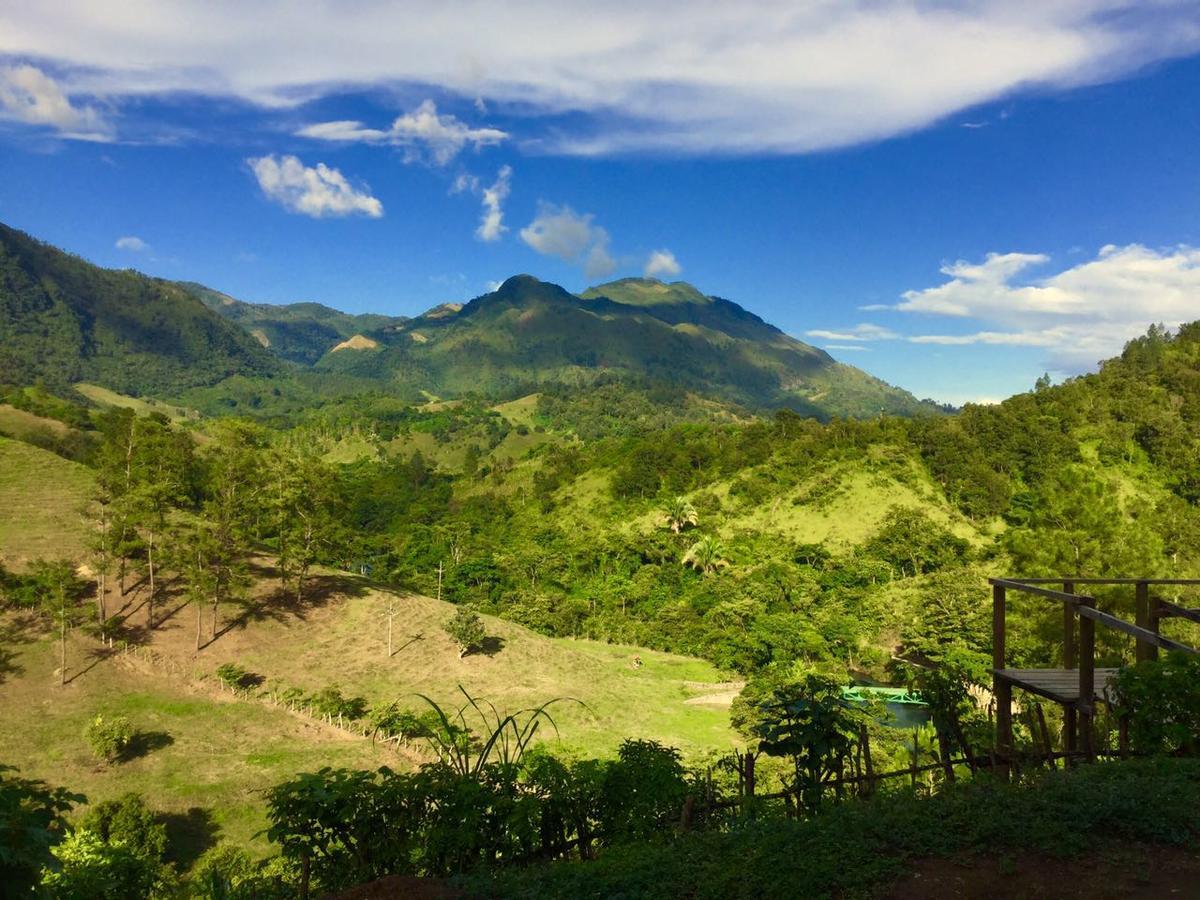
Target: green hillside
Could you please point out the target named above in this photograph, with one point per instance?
(299, 332)
(530, 333)
(63, 320)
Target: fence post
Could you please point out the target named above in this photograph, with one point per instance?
(1070, 661)
(1001, 688)
(1087, 682)
(864, 738)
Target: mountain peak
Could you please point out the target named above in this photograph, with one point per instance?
(649, 292)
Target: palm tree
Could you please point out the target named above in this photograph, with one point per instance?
(680, 514)
(706, 556)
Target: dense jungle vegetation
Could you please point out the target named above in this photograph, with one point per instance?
(795, 550)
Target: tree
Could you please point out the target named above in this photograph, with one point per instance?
(58, 591)
(706, 556)
(1076, 526)
(303, 502)
(32, 821)
(466, 630)
(680, 514)
(197, 561)
(232, 507)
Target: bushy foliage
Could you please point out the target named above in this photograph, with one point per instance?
(466, 629)
(1161, 699)
(108, 736)
(32, 822)
(440, 820)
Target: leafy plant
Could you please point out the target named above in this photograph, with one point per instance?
(466, 629)
(32, 822)
(1162, 701)
(109, 737)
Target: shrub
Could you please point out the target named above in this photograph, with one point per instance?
(466, 630)
(90, 868)
(1162, 700)
(130, 822)
(109, 737)
(32, 822)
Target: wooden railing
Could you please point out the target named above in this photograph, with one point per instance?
(1079, 646)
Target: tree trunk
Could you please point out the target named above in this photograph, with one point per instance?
(150, 602)
(62, 640)
(215, 608)
(199, 620)
(100, 596)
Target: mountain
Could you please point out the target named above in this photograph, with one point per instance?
(529, 333)
(298, 332)
(63, 320)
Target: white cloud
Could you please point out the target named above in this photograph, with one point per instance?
(317, 191)
(751, 77)
(662, 262)
(1079, 315)
(29, 95)
(423, 133)
(491, 224)
(856, 347)
(132, 244)
(863, 332)
(572, 237)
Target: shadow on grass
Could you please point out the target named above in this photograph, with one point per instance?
(18, 630)
(189, 835)
(282, 605)
(491, 645)
(144, 743)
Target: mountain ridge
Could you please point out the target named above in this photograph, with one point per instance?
(65, 320)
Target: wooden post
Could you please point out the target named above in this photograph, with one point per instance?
(865, 741)
(1141, 618)
(1047, 746)
(1087, 683)
(1001, 688)
(1070, 661)
(1153, 622)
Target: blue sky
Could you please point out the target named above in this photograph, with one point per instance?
(953, 197)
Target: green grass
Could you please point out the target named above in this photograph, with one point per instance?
(223, 751)
(344, 642)
(19, 424)
(207, 752)
(42, 497)
(105, 397)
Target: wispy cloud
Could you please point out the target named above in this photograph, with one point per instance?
(132, 243)
(572, 237)
(491, 225)
(1078, 315)
(662, 262)
(863, 332)
(753, 77)
(423, 133)
(318, 191)
(29, 95)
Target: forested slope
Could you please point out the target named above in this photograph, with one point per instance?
(63, 320)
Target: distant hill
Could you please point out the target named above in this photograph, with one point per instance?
(63, 320)
(299, 332)
(529, 333)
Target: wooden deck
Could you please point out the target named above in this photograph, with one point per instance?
(1059, 685)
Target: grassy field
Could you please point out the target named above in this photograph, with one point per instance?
(104, 397)
(42, 497)
(19, 424)
(342, 639)
(208, 755)
(204, 757)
